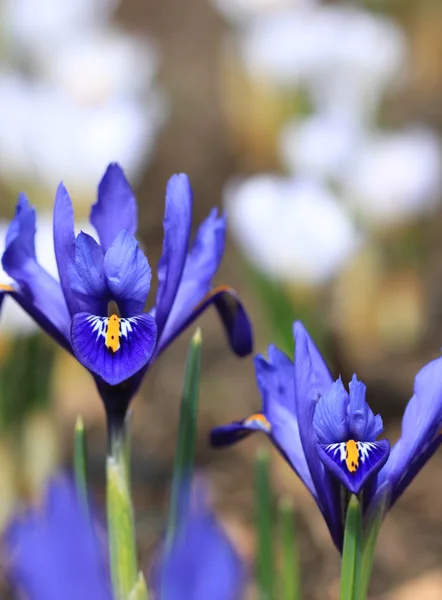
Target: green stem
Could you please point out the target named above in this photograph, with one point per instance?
(80, 463)
(351, 554)
(265, 565)
(290, 580)
(122, 546)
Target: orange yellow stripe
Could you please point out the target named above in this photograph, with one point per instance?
(352, 456)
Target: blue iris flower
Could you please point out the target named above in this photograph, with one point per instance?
(56, 553)
(97, 309)
(330, 436)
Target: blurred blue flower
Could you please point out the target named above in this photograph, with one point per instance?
(96, 310)
(201, 563)
(329, 436)
(55, 553)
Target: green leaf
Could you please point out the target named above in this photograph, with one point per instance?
(352, 551)
(80, 462)
(289, 579)
(185, 449)
(265, 558)
(139, 591)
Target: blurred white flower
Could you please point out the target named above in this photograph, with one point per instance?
(291, 229)
(396, 176)
(48, 136)
(241, 11)
(345, 57)
(35, 25)
(319, 146)
(98, 65)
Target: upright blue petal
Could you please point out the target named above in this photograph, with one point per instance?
(201, 264)
(313, 380)
(116, 207)
(86, 275)
(128, 274)
(420, 430)
(177, 226)
(202, 564)
(275, 379)
(330, 418)
(64, 244)
(38, 292)
(363, 424)
(54, 553)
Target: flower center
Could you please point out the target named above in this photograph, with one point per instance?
(352, 456)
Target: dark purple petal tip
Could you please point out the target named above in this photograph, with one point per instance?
(231, 433)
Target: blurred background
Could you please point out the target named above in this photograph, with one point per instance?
(317, 126)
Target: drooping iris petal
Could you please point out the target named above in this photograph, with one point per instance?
(330, 418)
(313, 380)
(201, 564)
(238, 430)
(25, 300)
(116, 207)
(420, 429)
(128, 274)
(86, 275)
(64, 244)
(38, 292)
(55, 554)
(177, 225)
(363, 424)
(354, 463)
(233, 316)
(278, 419)
(113, 348)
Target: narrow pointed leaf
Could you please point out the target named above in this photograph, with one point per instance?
(139, 591)
(352, 551)
(289, 578)
(185, 450)
(263, 496)
(80, 462)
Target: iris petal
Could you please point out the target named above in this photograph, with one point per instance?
(128, 274)
(330, 418)
(54, 553)
(64, 244)
(420, 428)
(116, 207)
(238, 430)
(363, 425)
(201, 264)
(233, 316)
(86, 275)
(113, 348)
(177, 225)
(354, 463)
(312, 380)
(38, 291)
